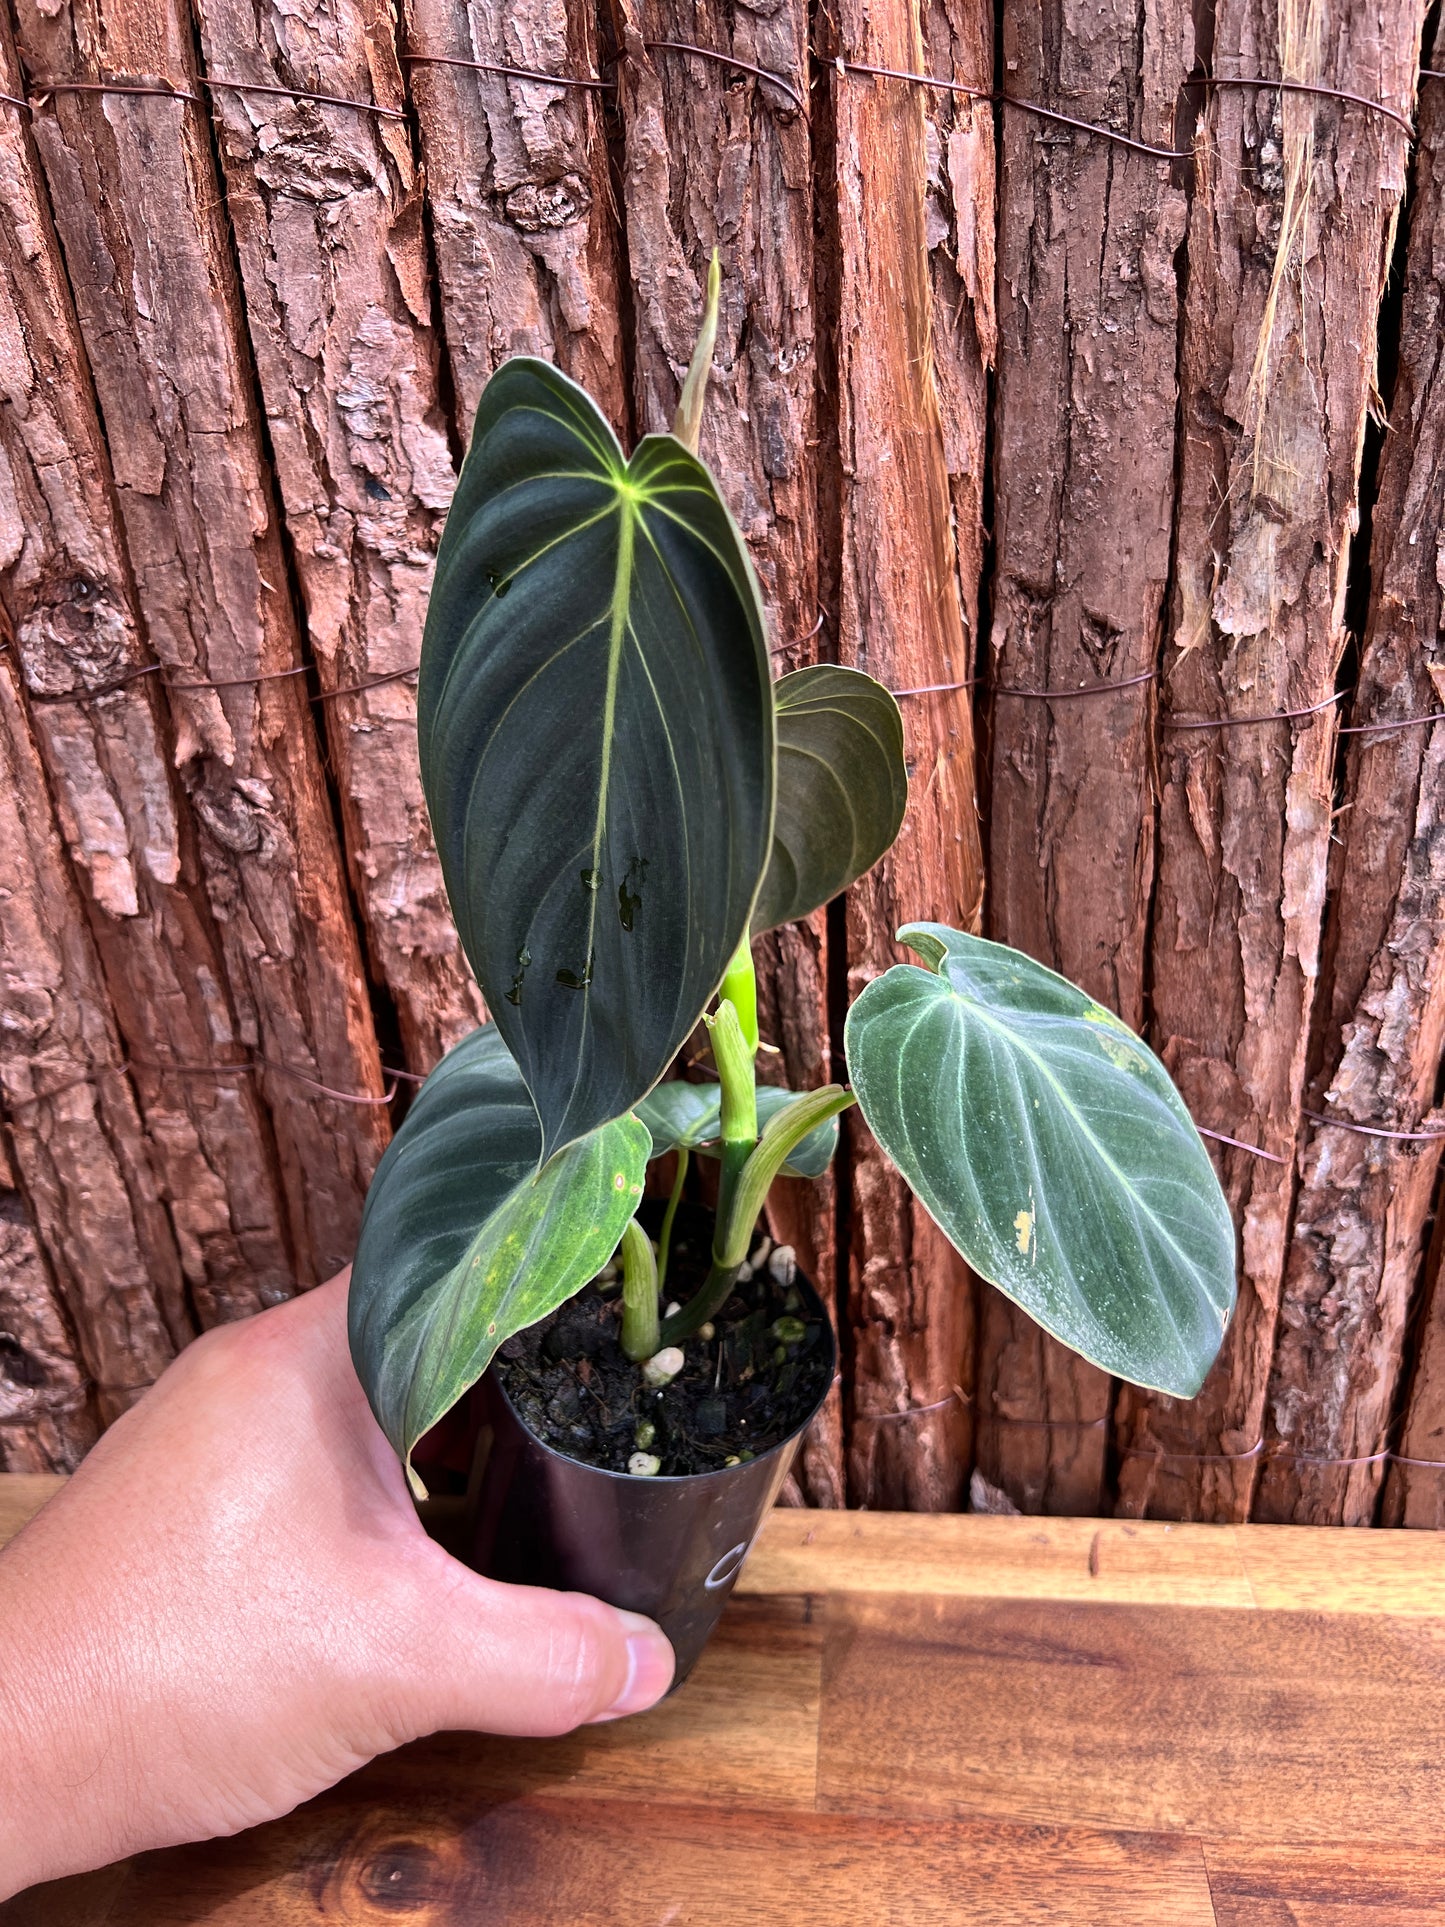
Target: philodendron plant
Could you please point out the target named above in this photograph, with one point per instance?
(622, 799)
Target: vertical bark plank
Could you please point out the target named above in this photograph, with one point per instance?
(714, 157)
(137, 204)
(960, 220)
(1415, 1493)
(1084, 498)
(46, 1417)
(1294, 206)
(1363, 1204)
(65, 592)
(325, 205)
(520, 194)
(900, 617)
(76, 1136)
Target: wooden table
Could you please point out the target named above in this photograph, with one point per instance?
(916, 1721)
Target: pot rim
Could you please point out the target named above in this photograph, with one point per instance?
(656, 1479)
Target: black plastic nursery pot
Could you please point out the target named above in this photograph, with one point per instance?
(669, 1547)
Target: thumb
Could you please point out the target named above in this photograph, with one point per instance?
(519, 1659)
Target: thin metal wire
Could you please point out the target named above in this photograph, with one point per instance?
(1376, 1130)
(936, 688)
(796, 642)
(370, 682)
(1314, 88)
(43, 699)
(1082, 689)
(256, 1062)
(842, 65)
(1255, 1150)
(1399, 722)
(512, 73)
(1193, 1458)
(302, 93)
(910, 1411)
(1264, 716)
(715, 54)
(14, 100)
(1045, 1424)
(235, 682)
(162, 90)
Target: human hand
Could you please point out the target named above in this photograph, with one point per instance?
(232, 1605)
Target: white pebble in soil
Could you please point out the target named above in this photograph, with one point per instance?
(758, 1256)
(783, 1264)
(644, 1465)
(664, 1367)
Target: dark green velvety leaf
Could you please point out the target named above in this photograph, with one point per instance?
(464, 1242)
(842, 789)
(595, 723)
(1048, 1142)
(690, 1114)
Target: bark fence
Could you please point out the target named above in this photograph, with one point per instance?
(1075, 377)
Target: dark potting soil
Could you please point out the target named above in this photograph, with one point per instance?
(738, 1394)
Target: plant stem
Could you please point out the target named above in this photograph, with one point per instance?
(704, 1304)
(640, 1339)
(734, 1229)
(664, 1237)
(737, 1100)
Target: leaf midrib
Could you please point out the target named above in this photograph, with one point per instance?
(1012, 1037)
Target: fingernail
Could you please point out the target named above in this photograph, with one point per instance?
(650, 1663)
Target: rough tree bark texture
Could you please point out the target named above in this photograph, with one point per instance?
(900, 611)
(326, 208)
(520, 195)
(1294, 207)
(1364, 1201)
(1415, 1493)
(65, 592)
(308, 328)
(714, 157)
(138, 207)
(46, 1417)
(1084, 499)
(79, 1145)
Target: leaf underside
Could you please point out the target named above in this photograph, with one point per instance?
(842, 789)
(595, 722)
(464, 1243)
(1049, 1144)
(690, 1115)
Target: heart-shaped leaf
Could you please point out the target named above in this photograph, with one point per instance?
(690, 1115)
(464, 1242)
(1048, 1142)
(595, 721)
(842, 789)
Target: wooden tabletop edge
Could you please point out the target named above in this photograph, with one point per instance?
(1125, 1561)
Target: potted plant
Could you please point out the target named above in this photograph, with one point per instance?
(622, 798)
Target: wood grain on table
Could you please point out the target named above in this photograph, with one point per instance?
(967, 1721)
